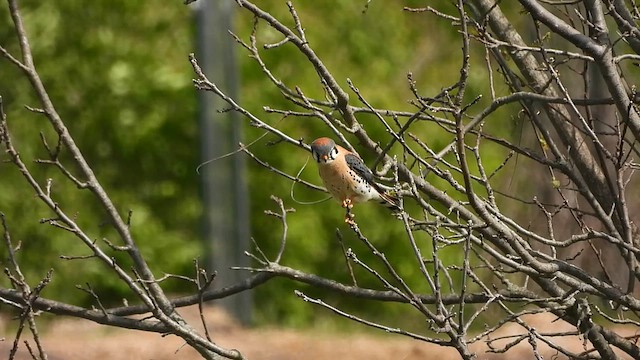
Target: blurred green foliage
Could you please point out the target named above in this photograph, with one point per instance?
(117, 72)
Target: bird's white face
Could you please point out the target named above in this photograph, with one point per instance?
(324, 157)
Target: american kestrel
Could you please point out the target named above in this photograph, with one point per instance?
(346, 177)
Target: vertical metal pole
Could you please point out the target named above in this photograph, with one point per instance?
(224, 190)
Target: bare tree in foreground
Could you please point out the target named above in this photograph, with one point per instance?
(580, 265)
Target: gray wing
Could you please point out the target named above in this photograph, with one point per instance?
(358, 166)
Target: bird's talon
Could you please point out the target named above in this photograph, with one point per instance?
(347, 204)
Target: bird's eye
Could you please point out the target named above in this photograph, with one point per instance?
(334, 153)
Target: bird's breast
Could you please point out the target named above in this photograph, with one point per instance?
(342, 183)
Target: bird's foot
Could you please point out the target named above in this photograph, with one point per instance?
(347, 204)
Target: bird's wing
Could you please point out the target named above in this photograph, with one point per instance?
(358, 166)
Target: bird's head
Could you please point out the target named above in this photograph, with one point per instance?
(324, 150)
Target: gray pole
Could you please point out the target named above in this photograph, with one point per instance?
(224, 190)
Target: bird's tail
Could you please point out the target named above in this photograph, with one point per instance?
(389, 199)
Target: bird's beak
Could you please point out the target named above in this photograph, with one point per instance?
(324, 157)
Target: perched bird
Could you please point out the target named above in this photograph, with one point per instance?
(346, 177)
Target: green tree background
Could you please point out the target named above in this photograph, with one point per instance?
(118, 73)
